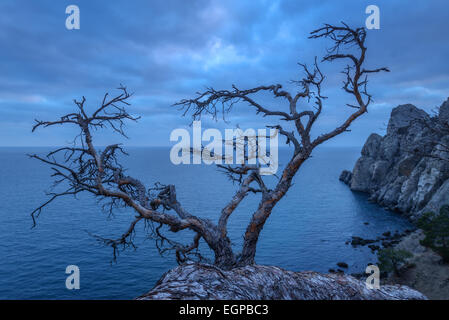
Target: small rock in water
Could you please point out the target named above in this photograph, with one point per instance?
(386, 244)
(357, 241)
(342, 265)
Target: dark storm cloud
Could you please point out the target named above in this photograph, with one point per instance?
(167, 50)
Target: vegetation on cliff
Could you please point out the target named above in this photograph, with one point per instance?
(436, 231)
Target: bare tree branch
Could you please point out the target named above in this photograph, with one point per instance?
(83, 168)
(212, 101)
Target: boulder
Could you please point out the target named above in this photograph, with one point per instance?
(202, 281)
(346, 177)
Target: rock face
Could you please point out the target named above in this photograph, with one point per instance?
(346, 176)
(201, 281)
(397, 171)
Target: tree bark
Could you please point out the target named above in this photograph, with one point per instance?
(266, 207)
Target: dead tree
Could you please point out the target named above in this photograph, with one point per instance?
(84, 168)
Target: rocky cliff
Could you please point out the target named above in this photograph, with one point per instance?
(201, 281)
(403, 170)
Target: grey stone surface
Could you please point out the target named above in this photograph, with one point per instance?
(403, 115)
(200, 281)
(403, 170)
(346, 176)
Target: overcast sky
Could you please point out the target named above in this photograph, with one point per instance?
(167, 50)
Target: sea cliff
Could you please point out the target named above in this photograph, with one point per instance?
(407, 170)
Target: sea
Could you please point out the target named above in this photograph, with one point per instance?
(308, 229)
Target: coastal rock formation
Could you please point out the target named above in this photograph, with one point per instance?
(403, 170)
(201, 281)
(346, 176)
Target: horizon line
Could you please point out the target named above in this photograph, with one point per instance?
(156, 146)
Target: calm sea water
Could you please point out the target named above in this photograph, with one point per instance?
(307, 230)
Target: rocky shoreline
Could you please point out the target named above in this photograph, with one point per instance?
(425, 270)
(407, 171)
(388, 239)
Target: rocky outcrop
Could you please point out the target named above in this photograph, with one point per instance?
(403, 170)
(346, 176)
(201, 281)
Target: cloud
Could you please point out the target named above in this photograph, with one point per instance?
(168, 50)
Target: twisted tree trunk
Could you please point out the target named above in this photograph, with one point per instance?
(266, 207)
